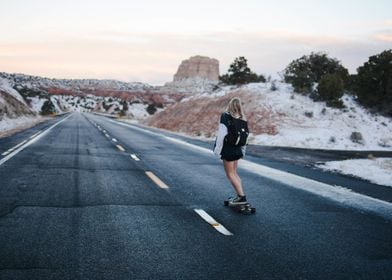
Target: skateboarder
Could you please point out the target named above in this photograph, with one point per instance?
(229, 153)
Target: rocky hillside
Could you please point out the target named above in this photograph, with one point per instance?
(12, 103)
(279, 117)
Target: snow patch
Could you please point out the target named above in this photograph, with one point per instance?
(6, 86)
(20, 123)
(378, 170)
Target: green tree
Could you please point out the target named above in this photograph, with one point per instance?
(373, 84)
(305, 72)
(239, 73)
(48, 108)
(330, 89)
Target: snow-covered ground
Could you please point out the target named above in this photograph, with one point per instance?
(9, 126)
(307, 124)
(190, 86)
(138, 111)
(378, 170)
(36, 103)
(5, 86)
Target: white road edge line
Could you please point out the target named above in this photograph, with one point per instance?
(206, 217)
(13, 148)
(5, 159)
(344, 196)
(32, 136)
(156, 180)
(336, 193)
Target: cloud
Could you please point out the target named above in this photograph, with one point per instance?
(384, 36)
(154, 57)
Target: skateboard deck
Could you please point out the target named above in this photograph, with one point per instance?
(244, 208)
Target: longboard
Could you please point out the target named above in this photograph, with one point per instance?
(244, 208)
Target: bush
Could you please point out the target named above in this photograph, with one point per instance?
(239, 73)
(373, 84)
(305, 72)
(273, 86)
(124, 109)
(330, 89)
(151, 109)
(48, 108)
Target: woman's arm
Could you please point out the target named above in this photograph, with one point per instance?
(222, 132)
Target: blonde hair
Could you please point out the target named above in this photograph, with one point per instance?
(235, 109)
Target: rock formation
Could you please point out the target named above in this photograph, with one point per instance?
(198, 67)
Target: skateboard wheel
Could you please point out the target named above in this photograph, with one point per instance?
(226, 203)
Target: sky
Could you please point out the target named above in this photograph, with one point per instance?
(145, 41)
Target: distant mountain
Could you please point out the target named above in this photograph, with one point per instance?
(136, 100)
(80, 86)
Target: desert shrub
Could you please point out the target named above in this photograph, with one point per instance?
(151, 109)
(330, 89)
(124, 110)
(373, 84)
(273, 86)
(48, 108)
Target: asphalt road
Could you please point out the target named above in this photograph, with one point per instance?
(74, 204)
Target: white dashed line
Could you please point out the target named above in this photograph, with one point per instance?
(341, 195)
(120, 148)
(206, 217)
(114, 140)
(134, 157)
(156, 180)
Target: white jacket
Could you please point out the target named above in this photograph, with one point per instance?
(222, 132)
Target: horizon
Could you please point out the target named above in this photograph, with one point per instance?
(146, 42)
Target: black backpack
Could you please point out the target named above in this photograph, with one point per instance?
(237, 132)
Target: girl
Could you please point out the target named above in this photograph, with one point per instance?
(230, 154)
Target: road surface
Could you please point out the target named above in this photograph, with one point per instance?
(87, 197)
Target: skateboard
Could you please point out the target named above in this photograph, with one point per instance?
(244, 208)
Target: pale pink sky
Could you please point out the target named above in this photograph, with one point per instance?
(146, 40)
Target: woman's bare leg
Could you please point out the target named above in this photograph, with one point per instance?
(235, 169)
(231, 173)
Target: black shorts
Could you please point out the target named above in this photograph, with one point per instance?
(231, 158)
